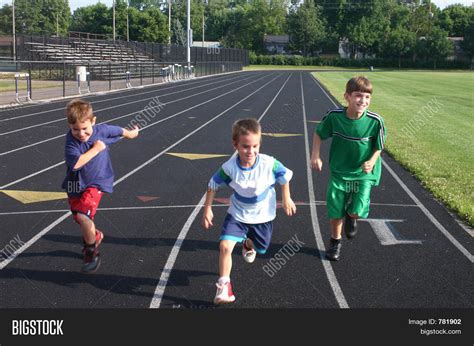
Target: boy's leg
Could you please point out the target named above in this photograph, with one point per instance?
(336, 199)
(358, 207)
(334, 251)
(84, 209)
(258, 240)
(225, 257)
(224, 293)
(87, 228)
(232, 232)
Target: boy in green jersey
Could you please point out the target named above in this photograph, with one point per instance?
(358, 138)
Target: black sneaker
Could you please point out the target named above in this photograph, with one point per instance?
(91, 259)
(350, 227)
(334, 250)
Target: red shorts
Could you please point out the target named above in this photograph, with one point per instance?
(87, 203)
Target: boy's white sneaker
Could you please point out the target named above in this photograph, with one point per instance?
(248, 254)
(224, 294)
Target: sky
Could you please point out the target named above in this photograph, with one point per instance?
(73, 4)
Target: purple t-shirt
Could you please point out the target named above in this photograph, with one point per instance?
(98, 172)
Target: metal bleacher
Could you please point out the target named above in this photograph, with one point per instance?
(104, 59)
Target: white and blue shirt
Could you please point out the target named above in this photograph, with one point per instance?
(254, 197)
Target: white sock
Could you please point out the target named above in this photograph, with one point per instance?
(223, 280)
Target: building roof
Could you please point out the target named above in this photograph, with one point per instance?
(276, 38)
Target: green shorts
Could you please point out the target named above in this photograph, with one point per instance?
(348, 196)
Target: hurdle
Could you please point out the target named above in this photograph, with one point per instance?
(28, 87)
(178, 72)
(189, 72)
(166, 72)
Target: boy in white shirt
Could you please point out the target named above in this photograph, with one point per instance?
(252, 176)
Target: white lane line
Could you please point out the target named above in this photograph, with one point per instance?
(428, 214)
(171, 116)
(336, 288)
(30, 242)
(168, 268)
(32, 175)
(165, 274)
(62, 218)
(128, 103)
(132, 102)
(171, 206)
(158, 89)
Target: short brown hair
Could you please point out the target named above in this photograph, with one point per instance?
(360, 84)
(78, 110)
(244, 127)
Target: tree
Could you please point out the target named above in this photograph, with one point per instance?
(37, 17)
(400, 42)
(455, 19)
(6, 20)
(150, 25)
(435, 46)
(96, 19)
(306, 28)
(468, 43)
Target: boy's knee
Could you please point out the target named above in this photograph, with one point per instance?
(225, 247)
(81, 218)
(354, 216)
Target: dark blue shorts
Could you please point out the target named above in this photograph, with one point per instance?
(260, 233)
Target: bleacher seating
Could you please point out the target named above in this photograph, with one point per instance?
(104, 59)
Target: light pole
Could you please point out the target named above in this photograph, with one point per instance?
(14, 31)
(113, 19)
(188, 22)
(169, 21)
(127, 21)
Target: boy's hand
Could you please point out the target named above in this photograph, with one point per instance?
(99, 146)
(207, 217)
(131, 134)
(316, 164)
(288, 206)
(368, 166)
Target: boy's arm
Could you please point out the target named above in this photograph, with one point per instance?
(368, 166)
(208, 215)
(130, 134)
(96, 148)
(287, 203)
(316, 162)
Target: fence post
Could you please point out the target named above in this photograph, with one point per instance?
(64, 79)
(110, 77)
(29, 72)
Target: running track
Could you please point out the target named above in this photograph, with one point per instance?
(411, 254)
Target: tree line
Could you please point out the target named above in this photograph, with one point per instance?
(413, 29)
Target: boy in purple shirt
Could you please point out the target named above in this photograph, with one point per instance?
(89, 172)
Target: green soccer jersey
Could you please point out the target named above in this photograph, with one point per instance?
(353, 142)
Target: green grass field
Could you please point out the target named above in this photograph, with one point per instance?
(291, 67)
(9, 85)
(430, 127)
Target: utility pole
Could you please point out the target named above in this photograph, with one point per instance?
(113, 19)
(188, 43)
(169, 21)
(14, 31)
(127, 21)
(57, 24)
